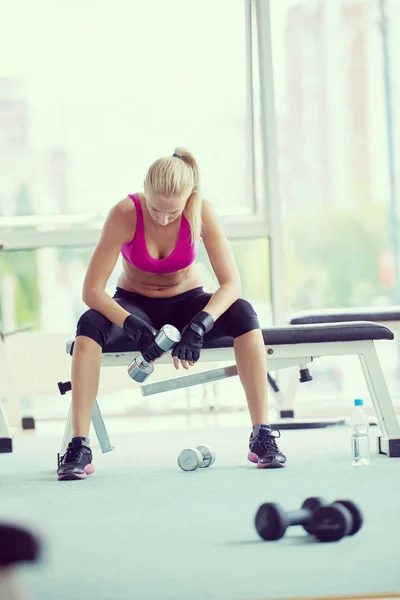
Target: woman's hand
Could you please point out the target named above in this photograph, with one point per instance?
(144, 335)
(188, 349)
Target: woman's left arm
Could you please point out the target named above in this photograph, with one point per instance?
(222, 262)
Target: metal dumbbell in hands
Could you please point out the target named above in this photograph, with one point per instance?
(327, 522)
(165, 339)
(200, 457)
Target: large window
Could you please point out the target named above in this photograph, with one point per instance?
(340, 212)
(96, 91)
(106, 88)
(333, 150)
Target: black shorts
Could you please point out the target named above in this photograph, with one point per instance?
(176, 310)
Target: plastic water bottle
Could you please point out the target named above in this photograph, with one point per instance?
(360, 438)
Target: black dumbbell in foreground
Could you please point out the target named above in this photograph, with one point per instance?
(327, 522)
(17, 545)
(272, 520)
(332, 523)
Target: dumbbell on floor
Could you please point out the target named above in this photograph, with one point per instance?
(139, 369)
(332, 523)
(272, 520)
(200, 457)
(328, 523)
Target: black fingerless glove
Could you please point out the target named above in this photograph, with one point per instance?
(144, 334)
(192, 337)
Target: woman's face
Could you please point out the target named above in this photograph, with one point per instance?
(164, 210)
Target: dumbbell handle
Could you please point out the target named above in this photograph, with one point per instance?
(299, 517)
(165, 339)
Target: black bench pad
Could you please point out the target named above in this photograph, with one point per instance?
(289, 334)
(334, 315)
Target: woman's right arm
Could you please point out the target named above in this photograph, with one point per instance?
(118, 228)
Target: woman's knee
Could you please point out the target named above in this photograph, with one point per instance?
(241, 318)
(83, 343)
(95, 326)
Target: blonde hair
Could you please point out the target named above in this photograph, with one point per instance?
(174, 176)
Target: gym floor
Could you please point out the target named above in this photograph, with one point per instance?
(142, 528)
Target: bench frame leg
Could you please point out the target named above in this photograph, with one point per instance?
(8, 380)
(5, 433)
(389, 441)
(99, 427)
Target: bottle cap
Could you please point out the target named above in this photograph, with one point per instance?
(358, 402)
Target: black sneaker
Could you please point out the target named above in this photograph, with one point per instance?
(264, 450)
(76, 463)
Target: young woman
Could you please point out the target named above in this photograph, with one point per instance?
(158, 233)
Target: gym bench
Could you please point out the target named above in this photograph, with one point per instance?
(288, 346)
(387, 315)
(6, 373)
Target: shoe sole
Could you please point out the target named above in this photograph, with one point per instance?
(71, 476)
(275, 464)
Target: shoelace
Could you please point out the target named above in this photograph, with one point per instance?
(267, 439)
(73, 453)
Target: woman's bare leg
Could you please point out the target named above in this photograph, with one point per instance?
(85, 375)
(252, 368)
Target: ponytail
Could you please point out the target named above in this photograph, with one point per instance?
(193, 206)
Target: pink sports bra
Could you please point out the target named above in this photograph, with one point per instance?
(135, 251)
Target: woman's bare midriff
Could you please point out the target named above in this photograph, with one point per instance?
(158, 285)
